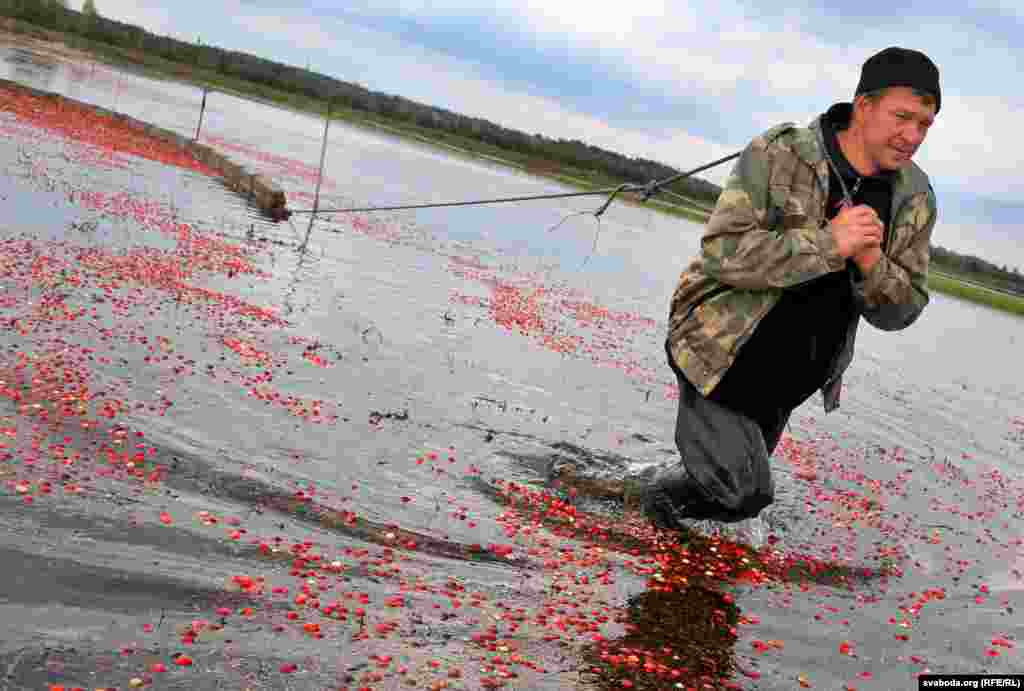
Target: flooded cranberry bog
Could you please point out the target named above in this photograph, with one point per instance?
(226, 463)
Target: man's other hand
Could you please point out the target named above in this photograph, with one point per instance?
(867, 258)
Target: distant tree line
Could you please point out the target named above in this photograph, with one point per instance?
(1003, 277)
(576, 154)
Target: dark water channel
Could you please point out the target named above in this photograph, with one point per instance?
(478, 335)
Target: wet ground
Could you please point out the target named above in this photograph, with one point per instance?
(227, 463)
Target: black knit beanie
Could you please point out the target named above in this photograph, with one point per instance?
(900, 67)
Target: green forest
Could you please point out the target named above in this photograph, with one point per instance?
(576, 159)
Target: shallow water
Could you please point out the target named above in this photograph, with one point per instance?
(479, 334)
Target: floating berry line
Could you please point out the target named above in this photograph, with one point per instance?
(107, 138)
(85, 126)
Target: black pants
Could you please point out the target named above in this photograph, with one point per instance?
(726, 455)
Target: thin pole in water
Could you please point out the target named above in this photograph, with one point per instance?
(202, 110)
(319, 177)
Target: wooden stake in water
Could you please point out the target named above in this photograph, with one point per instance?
(319, 177)
(202, 110)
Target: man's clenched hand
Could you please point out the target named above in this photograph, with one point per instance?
(856, 229)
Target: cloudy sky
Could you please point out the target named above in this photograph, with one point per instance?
(680, 82)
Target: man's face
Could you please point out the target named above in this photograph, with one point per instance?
(895, 127)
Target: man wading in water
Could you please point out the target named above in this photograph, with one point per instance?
(815, 228)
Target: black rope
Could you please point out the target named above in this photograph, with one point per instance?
(648, 190)
(437, 205)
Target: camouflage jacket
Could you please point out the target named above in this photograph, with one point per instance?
(769, 232)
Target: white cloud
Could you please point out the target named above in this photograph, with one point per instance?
(1010, 7)
(972, 145)
(686, 48)
(997, 244)
(156, 19)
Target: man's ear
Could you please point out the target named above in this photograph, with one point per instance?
(860, 105)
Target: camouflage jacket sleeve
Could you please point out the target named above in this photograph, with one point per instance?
(895, 292)
(746, 244)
